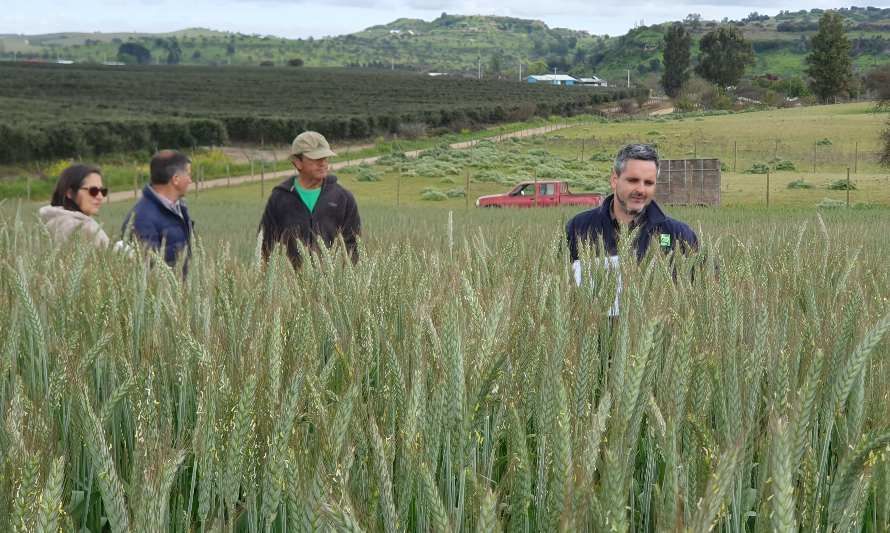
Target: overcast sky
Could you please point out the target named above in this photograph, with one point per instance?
(304, 18)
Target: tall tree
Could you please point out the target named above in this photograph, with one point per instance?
(830, 65)
(878, 81)
(134, 53)
(677, 45)
(725, 54)
(174, 52)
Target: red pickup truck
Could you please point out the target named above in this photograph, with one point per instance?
(539, 194)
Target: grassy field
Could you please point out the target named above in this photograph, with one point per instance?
(582, 155)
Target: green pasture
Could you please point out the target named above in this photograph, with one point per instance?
(756, 137)
(833, 137)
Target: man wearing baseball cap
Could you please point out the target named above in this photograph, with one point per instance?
(311, 205)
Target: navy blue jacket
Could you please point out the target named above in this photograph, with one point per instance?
(155, 224)
(595, 224)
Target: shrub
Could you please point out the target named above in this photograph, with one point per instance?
(367, 174)
(433, 195)
(601, 156)
(392, 158)
(457, 192)
(800, 184)
(824, 142)
(842, 185)
(830, 203)
(784, 164)
(412, 130)
(758, 168)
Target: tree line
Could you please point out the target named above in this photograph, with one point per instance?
(725, 54)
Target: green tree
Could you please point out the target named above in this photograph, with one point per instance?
(495, 65)
(878, 80)
(537, 67)
(174, 52)
(725, 54)
(677, 44)
(133, 53)
(830, 67)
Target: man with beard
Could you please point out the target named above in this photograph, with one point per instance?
(630, 206)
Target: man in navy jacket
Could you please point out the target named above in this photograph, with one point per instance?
(631, 205)
(160, 218)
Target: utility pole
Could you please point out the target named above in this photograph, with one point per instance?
(628, 78)
(480, 68)
(520, 70)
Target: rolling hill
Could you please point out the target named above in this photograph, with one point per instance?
(457, 44)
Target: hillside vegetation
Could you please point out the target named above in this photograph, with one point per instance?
(461, 44)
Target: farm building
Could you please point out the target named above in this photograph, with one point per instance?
(593, 82)
(689, 182)
(553, 79)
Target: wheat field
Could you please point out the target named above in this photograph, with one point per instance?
(453, 380)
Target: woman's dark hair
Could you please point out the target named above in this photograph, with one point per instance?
(70, 180)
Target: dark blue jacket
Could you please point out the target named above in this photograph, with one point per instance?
(595, 224)
(155, 224)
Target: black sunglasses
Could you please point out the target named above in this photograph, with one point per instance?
(94, 191)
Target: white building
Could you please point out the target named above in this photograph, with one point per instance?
(593, 82)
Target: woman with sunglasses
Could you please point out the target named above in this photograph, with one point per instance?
(78, 196)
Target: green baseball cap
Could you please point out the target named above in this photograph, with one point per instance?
(311, 144)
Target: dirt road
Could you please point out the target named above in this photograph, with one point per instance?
(273, 176)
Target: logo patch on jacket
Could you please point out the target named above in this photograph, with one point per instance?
(665, 240)
(332, 204)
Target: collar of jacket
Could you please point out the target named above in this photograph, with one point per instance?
(288, 184)
(150, 193)
(652, 215)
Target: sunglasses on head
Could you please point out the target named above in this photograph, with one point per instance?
(94, 191)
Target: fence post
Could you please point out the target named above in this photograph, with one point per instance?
(467, 192)
(582, 148)
(28, 183)
(856, 159)
(814, 158)
(767, 188)
(135, 184)
(228, 176)
(776, 150)
(398, 189)
(735, 154)
(848, 187)
(262, 178)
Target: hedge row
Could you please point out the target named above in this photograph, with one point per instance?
(79, 139)
(282, 129)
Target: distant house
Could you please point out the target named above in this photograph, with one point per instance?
(593, 82)
(553, 79)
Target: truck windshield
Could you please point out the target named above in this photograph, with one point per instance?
(527, 189)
